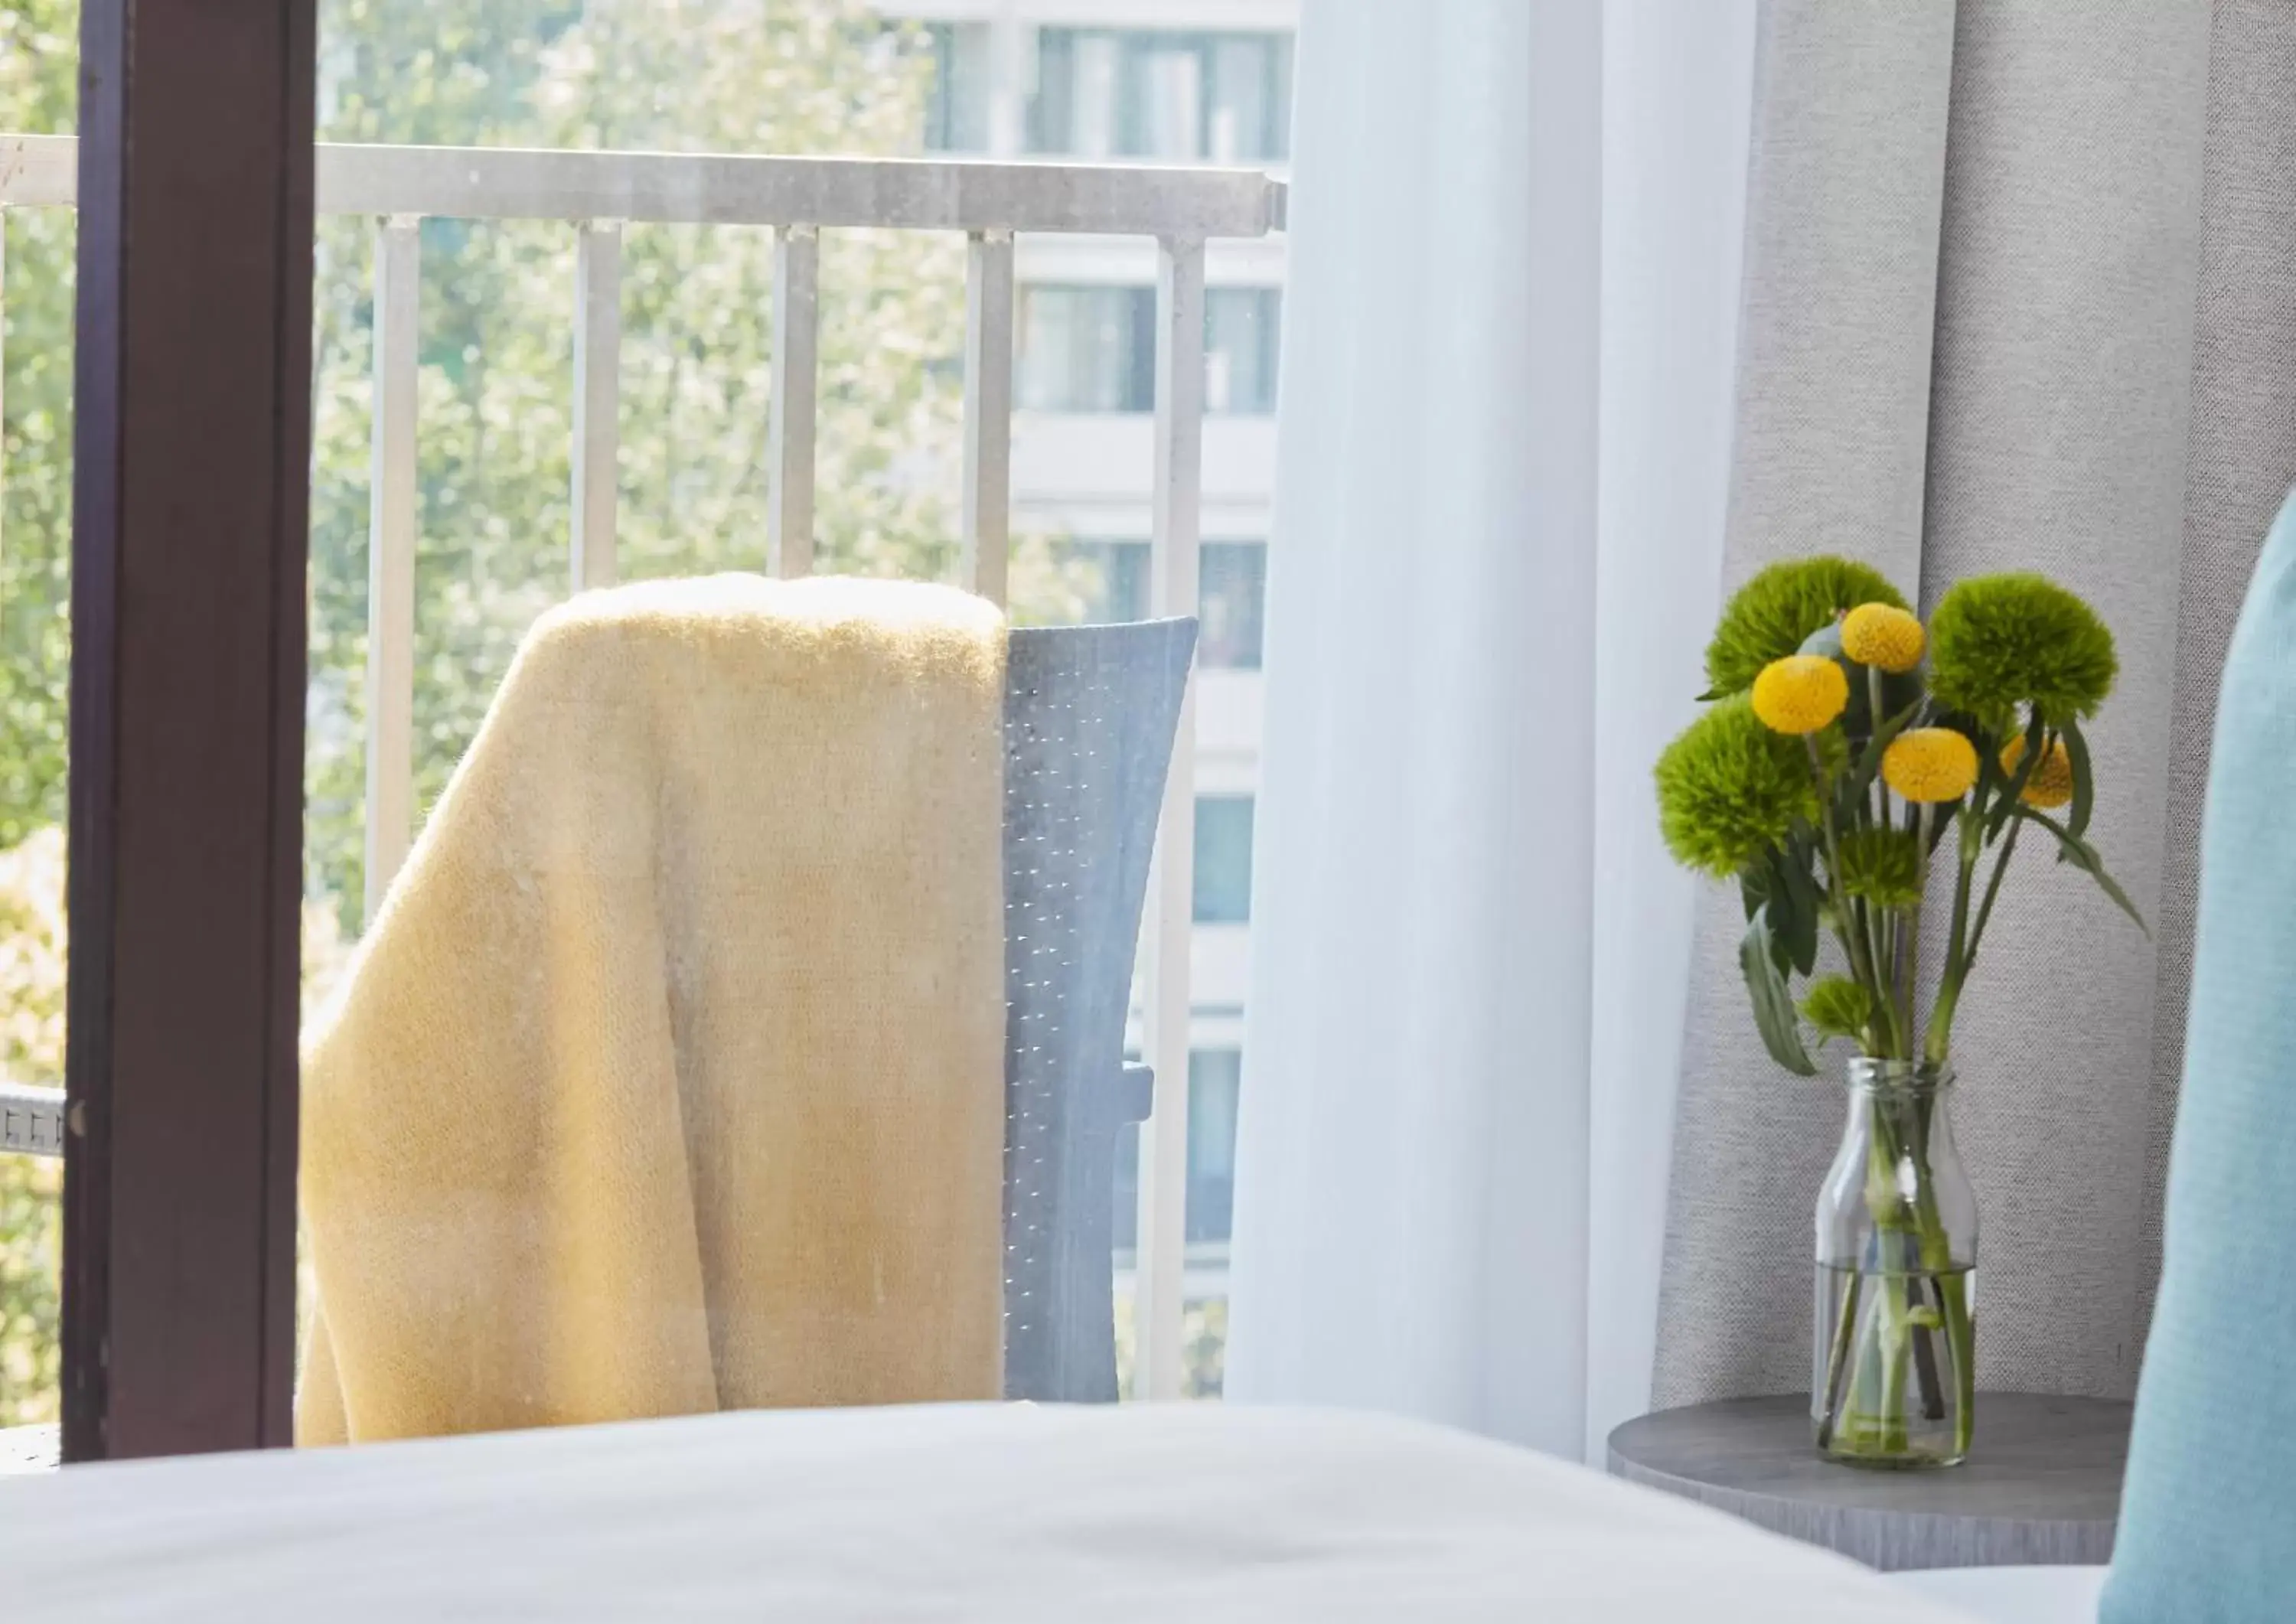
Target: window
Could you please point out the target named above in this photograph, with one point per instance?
(956, 111)
(1086, 349)
(1239, 329)
(1216, 98)
(1107, 581)
(1235, 590)
(1094, 349)
(1214, 1079)
(592, 405)
(1223, 859)
(1215, 1076)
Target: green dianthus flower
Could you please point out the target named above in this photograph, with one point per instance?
(1729, 789)
(1997, 641)
(1838, 1007)
(1882, 866)
(1769, 616)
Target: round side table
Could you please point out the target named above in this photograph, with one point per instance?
(2041, 1487)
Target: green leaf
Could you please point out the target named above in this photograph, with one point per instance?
(1755, 885)
(1774, 1006)
(2084, 785)
(2083, 857)
(1794, 906)
(1775, 913)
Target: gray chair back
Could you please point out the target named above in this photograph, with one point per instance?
(1090, 712)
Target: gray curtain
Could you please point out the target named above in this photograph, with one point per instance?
(2020, 292)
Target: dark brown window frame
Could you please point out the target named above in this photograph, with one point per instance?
(192, 442)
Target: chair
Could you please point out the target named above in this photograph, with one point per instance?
(1089, 717)
(1090, 713)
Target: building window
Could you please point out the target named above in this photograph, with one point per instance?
(1094, 349)
(1215, 1077)
(1088, 350)
(1234, 595)
(956, 108)
(1104, 581)
(1240, 331)
(1217, 98)
(1223, 859)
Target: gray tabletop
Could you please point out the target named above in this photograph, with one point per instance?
(2042, 1483)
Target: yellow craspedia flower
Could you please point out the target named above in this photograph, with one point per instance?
(1930, 764)
(1883, 636)
(1800, 693)
(2052, 782)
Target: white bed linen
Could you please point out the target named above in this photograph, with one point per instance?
(1170, 1514)
(2015, 1596)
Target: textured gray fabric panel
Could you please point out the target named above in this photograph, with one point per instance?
(2058, 432)
(1847, 171)
(2241, 460)
(2068, 396)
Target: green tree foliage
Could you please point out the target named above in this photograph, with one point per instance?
(39, 59)
(39, 65)
(496, 346)
(31, 1047)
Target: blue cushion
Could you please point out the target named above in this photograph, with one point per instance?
(2208, 1521)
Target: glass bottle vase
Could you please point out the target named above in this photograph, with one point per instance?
(1893, 1373)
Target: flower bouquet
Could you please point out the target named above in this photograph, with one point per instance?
(1835, 776)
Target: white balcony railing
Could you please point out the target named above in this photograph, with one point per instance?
(595, 195)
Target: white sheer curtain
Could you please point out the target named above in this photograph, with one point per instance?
(1509, 340)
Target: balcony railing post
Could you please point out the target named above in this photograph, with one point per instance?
(988, 412)
(1160, 1282)
(796, 365)
(597, 398)
(390, 556)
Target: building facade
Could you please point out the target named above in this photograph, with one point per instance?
(1165, 82)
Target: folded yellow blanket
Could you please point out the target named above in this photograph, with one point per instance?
(670, 1075)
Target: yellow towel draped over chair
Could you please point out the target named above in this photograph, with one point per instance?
(670, 1077)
